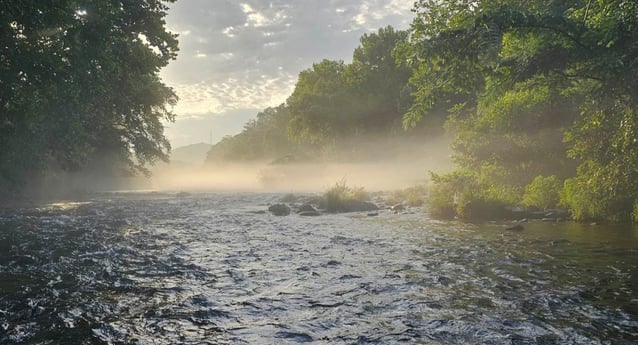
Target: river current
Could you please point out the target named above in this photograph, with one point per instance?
(153, 268)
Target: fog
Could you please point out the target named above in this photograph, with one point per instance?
(380, 166)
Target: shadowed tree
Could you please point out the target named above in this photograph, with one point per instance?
(79, 79)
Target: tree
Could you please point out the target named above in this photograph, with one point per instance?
(335, 102)
(265, 137)
(79, 78)
(379, 82)
(318, 104)
(536, 88)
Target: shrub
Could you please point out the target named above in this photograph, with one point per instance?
(479, 209)
(459, 194)
(600, 192)
(289, 197)
(634, 215)
(446, 191)
(340, 197)
(412, 196)
(359, 193)
(542, 192)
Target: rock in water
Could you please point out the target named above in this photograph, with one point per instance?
(279, 210)
(306, 208)
(359, 206)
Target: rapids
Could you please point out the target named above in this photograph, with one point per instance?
(152, 268)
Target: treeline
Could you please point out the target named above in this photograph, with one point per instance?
(333, 109)
(541, 97)
(79, 88)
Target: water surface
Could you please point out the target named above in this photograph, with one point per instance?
(211, 269)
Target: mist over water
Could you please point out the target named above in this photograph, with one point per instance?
(378, 166)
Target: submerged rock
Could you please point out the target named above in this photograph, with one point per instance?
(279, 210)
(306, 208)
(310, 213)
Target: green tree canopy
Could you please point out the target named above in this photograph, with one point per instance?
(79, 78)
(535, 88)
(333, 100)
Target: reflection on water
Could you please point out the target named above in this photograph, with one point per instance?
(207, 269)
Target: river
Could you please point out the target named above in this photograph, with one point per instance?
(152, 268)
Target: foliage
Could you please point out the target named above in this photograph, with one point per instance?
(448, 193)
(534, 88)
(411, 196)
(265, 137)
(79, 79)
(334, 101)
(599, 192)
(332, 107)
(339, 197)
(542, 192)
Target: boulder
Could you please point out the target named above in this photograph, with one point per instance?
(279, 210)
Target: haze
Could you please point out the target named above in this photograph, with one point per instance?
(409, 166)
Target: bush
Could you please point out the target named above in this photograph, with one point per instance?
(600, 192)
(634, 215)
(480, 209)
(446, 191)
(542, 192)
(359, 193)
(340, 197)
(459, 194)
(290, 197)
(412, 196)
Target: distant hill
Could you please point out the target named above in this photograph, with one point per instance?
(191, 154)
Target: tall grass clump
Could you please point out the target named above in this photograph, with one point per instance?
(340, 197)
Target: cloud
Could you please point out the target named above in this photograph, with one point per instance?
(248, 54)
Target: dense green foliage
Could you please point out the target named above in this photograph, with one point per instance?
(333, 106)
(534, 88)
(264, 137)
(334, 101)
(543, 192)
(79, 80)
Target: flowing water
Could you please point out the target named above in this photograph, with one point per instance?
(212, 269)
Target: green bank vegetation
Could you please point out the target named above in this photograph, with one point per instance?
(542, 98)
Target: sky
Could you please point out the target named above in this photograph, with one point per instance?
(237, 58)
